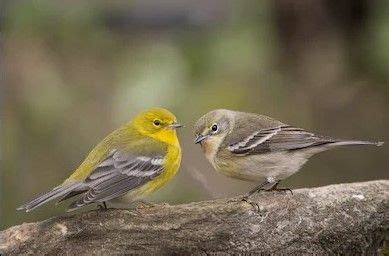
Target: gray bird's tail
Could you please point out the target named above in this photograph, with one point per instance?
(61, 190)
(357, 142)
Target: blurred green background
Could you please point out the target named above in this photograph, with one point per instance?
(75, 70)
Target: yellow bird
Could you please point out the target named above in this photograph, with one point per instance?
(130, 163)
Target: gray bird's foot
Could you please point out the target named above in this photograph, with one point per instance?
(286, 190)
(275, 188)
(245, 199)
(253, 204)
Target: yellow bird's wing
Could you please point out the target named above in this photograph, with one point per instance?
(119, 173)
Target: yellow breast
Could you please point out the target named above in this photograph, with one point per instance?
(172, 164)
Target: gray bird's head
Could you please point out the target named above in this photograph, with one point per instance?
(211, 128)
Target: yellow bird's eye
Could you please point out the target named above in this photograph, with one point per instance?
(157, 122)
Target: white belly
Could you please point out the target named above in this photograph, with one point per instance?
(270, 166)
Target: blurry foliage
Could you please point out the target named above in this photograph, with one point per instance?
(74, 71)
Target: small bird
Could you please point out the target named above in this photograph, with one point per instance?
(253, 147)
(131, 162)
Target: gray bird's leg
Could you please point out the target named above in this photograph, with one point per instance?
(275, 188)
(254, 190)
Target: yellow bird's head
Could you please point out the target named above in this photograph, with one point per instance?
(158, 123)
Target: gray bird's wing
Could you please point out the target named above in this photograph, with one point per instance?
(264, 135)
(118, 174)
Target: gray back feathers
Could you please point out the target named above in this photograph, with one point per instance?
(257, 134)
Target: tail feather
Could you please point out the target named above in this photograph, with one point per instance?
(56, 192)
(358, 142)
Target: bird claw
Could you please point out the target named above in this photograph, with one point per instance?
(102, 206)
(143, 204)
(253, 204)
(286, 190)
(246, 200)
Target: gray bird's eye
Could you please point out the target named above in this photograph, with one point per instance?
(214, 127)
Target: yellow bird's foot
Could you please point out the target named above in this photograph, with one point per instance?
(143, 204)
(102, 206)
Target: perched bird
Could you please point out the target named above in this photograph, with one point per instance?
(131, 162)
(255, 147)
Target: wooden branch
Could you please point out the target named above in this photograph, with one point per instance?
(338, 219)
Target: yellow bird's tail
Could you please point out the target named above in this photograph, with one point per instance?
(59, 191)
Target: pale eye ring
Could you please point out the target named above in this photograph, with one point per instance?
(214, 128)
(157, 122)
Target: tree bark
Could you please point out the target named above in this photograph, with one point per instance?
(336, 219)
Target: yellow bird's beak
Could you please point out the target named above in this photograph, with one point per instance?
(175, 126)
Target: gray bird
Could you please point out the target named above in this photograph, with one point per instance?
(253, 147)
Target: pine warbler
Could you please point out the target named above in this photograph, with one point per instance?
(131, 162)
(258, 148)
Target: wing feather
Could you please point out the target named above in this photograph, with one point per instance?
(280, 138)
(118, 174)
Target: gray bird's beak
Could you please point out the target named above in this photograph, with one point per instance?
(175, 125)
(200, 138)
